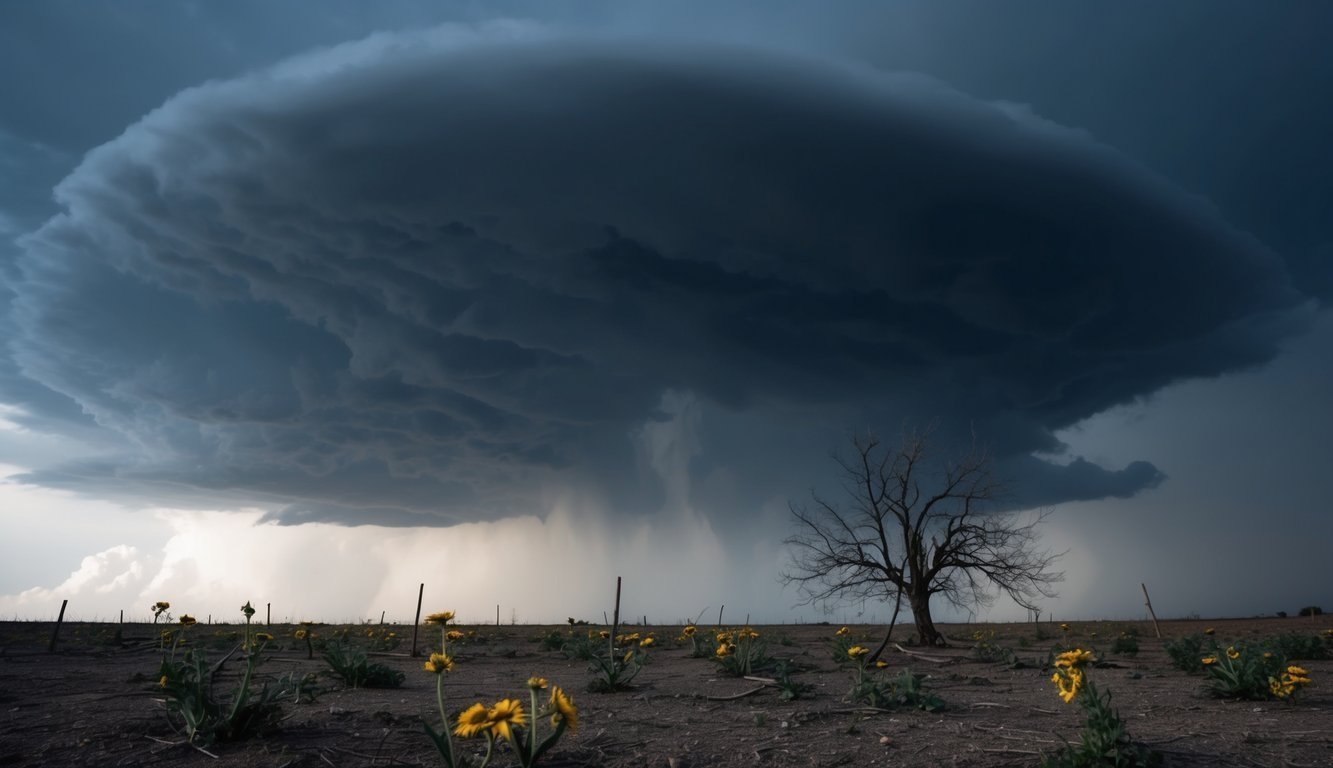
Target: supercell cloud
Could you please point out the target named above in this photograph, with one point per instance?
(431, 278)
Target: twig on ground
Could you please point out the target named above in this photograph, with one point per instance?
(740, 695)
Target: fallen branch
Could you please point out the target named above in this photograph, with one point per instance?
(926, 657)
(1003, 751)
(741, 695)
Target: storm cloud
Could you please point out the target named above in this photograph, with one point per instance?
(440, 276)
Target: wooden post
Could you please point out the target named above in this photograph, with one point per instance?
(1148, 602)
(615, 621)
(381, 618)
(497, 614)
(719, 615)
(416, 623)
(268, 615)
(56, 632)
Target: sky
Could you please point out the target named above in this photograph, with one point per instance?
(310, 303)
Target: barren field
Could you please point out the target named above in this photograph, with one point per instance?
(96, 702)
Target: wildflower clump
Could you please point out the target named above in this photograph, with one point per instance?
(1252, 672)
(507, 722)
(700, 647)
(625, 655)
(1187, 652)
(984, 648)
(839, 643)
(1127, 643)
(352, 665)
(504, 722)
(1103, 739)
(872, 686)
(741, 652)
(207, 713)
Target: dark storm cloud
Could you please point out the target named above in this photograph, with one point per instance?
(415, 276)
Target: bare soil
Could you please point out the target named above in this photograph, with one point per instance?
(96, 702)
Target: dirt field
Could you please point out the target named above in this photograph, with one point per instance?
(97, 703)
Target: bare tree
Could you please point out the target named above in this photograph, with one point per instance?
(911, 531)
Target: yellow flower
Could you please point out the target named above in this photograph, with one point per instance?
(1267, 655)
(163, 682)
(723, 650)
(562, 708)
(439, 663)
(628, 655)
(856, 652)
(443, 617)
(689, 630)
(1068, 683)
(161, 605)
(472, 721)
(187, 620)
(1295, 670)
(263, 637)
(1064, 627)
(1209, 631)
(604, 634)
(536, 683)
(723, 637)
(647, 642)
(454, 635)
(505, 713)
(302, 634)
(842, 632)
(1074, 659)
(1232, 653)
(881, 664)
(1206, 660)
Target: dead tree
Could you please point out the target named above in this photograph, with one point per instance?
(912, 531)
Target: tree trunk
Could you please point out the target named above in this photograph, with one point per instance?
(926, 634)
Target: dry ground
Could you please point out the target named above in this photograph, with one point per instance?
(96, 703)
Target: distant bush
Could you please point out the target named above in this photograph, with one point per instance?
(1297, 647)
(1310, 610)
(351, 665)
(1126, 644)
(1186, 653)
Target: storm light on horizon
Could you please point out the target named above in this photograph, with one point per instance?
(513, 303)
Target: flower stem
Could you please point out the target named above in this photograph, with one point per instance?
(444, 719)
(532, 726)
